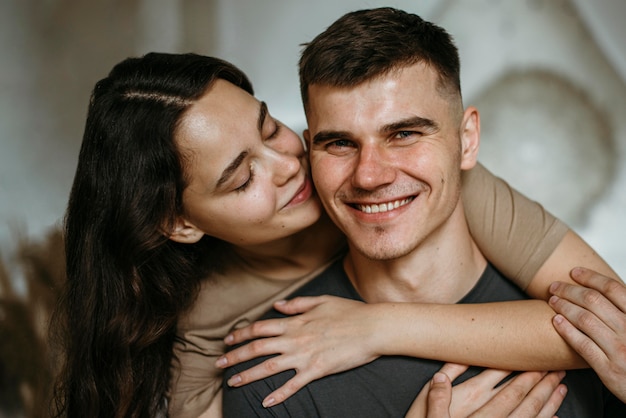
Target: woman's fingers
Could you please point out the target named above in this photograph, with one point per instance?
(253, 349)
(300, 304)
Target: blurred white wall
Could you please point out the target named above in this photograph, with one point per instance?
(550, 74)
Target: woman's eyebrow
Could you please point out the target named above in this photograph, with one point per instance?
(232, 167)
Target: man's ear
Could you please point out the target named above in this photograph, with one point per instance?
(470, 138)
(185, 232)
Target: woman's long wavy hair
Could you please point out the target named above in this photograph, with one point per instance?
(127, 283)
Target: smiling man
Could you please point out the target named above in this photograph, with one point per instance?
(388, 170)
(389, 138)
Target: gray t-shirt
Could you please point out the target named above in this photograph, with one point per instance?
(387, 386)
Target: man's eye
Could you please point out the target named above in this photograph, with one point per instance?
(406, 134)
(339, 143)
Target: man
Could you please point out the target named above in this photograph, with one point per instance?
(388, 140)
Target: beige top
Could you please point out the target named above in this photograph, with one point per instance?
(517, 235)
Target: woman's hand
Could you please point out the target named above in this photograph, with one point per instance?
(530, 394)
(592, 319)
(326, 335)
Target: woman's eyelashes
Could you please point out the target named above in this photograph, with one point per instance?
(277, 128)
(276, 131)
(247, 182)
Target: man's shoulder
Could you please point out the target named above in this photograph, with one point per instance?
(493, 287)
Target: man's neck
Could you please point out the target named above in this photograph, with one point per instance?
(443, 269)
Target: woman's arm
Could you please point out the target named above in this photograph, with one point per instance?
(510, 332)
(571, 252)
(520, 238)
(517, 235)
(329, 335)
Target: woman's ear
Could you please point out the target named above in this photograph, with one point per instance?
(185, 232)
(470, 138)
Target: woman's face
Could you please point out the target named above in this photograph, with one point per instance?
(248, 174)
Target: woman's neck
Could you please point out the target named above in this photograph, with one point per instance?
(296, 255)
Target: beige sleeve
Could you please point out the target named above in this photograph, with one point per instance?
(224, 303)
(195, 380)
(515, 234)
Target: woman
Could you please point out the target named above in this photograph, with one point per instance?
(185, 186)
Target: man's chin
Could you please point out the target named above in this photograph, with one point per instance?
(380, 252)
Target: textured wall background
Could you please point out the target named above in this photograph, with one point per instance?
(548, 75)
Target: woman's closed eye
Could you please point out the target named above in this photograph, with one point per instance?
(277, 129)
(248, 181)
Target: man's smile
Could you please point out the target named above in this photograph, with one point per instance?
(383, 207)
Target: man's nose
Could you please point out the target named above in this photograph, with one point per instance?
(374, 168)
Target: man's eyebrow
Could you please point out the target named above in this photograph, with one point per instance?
(262, 115)
(228, 171)
(410, 123)
(324, 136)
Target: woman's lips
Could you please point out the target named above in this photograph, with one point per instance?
(303, 194)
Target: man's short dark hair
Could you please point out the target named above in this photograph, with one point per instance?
(365, 44)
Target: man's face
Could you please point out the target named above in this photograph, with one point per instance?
(386, 158)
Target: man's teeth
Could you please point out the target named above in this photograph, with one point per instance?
(383, 207)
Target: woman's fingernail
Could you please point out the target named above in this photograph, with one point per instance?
(269, 402)
(558, 319)
(221, 362)
(280, 302)
(229, 339)
(553, 300)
